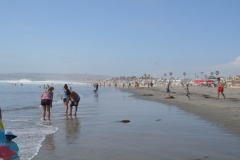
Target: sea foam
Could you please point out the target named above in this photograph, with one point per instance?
(50, 82)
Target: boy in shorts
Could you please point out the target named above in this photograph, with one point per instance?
(220, 88)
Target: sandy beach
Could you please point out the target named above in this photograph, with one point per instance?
(224, 113)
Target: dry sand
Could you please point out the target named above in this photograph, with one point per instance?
(223, 112)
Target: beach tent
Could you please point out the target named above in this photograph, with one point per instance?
(5, 152)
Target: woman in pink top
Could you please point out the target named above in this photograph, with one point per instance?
(46, 102)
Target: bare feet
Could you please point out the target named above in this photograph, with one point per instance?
(75, 114)
(70, 114)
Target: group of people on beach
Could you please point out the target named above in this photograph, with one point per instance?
(68, 96)
(219, 91)
(74, 98)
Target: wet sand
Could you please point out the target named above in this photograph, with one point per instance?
(222, 112)
(156, 131)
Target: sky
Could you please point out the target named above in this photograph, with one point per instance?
(120, 37)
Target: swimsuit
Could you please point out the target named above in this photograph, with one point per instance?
(65, 96)
(220, 89)
(46, 99)
(75, 103)
(46, 95)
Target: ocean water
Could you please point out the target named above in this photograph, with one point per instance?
(21, 112)
(96, 132)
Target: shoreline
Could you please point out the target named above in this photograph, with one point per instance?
(96, 134)
(224, 113)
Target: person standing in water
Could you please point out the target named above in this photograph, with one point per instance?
(46, 102)
(74, 98)
(96, 87)
(65, 97)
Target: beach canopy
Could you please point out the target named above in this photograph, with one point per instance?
(212, 77)
(5, 152)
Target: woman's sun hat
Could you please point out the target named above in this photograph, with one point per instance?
(9, 134)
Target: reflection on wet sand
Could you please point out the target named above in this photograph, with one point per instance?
(175, 135)
(72, 129)
(96, 97)
(49, 144)
(57, 145)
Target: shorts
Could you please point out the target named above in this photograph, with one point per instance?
(167, 90)
(187, 93)
(220, 89)
(75, 103)
(46, 102)
(65, 99)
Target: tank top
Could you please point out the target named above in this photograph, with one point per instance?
(46, 95)
(65, 95)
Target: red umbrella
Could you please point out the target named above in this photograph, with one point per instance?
(208, 80)
(198, 81)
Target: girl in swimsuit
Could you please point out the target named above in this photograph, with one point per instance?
(46, 102)
(65, 97)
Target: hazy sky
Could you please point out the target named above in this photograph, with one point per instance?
(120, 37)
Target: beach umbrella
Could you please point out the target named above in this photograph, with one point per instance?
(208, 80)
(198, 81)
(5, 152)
